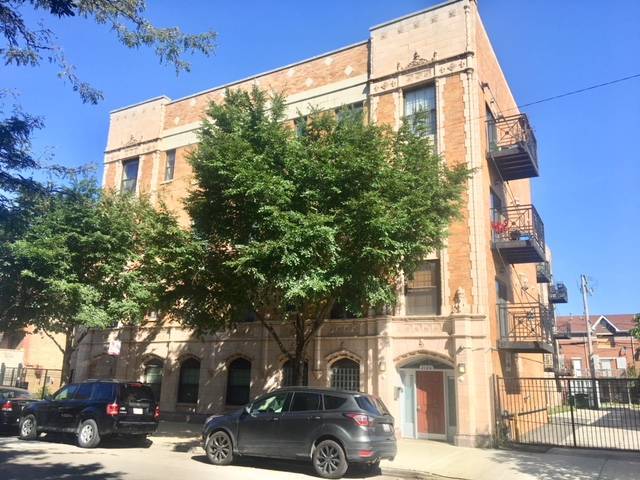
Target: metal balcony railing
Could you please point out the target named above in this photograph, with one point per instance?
(525, 327)
(513, 146)
(543, 272)
(518, 233)
(558, 293)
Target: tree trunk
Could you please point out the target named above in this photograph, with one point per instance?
(66, 359)
(298, 365)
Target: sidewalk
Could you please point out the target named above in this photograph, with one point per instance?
(419, 459)
(443, 459)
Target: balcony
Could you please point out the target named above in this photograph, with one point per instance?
(543, 272)
(558, 293)
(563, 332)
(525, 327)
(513, 147)
(518, 234)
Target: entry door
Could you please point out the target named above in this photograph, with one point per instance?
(431, 404)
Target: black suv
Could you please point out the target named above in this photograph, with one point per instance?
(332, 428)
(93, 409)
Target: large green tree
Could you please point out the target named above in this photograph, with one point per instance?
(26, 42)
(290, 225)
(83, 258)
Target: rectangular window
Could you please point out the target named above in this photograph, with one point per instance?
(170, 165)
(354, 110)
(577, 366)
(129, 176)
(420, 110)
(84, 391)
(422, 290)
(492, 132)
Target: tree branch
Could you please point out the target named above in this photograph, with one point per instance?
(54, 341)
(273, 333)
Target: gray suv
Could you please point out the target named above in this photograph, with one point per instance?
(332, 428)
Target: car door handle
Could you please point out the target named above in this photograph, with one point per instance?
(314, 417)
(275, 419)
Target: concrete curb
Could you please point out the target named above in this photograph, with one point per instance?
(414, 474)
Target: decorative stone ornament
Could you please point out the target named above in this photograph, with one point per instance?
(460, 301)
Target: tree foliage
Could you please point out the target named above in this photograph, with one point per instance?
(288, 226)
(81, 259)
(25, 44)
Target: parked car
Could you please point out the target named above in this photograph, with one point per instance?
(92, 410)
(332, 428)
(12, 401)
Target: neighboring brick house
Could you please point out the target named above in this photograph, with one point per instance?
(471, 312)
(615, 350)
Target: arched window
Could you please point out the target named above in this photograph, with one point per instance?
(345, 375)
(189, 381)
(239, 382)
(289, 377)
(153, 376)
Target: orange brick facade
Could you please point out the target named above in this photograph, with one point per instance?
(444, 48)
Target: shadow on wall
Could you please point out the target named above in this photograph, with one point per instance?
(20, 465)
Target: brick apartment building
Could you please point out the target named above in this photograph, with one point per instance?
(615, 349)
(473, 310)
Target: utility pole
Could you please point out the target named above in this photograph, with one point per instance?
(584, 288)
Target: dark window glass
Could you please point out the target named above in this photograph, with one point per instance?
(153, 376)
(271, 404)
(136, 392)
(420, 110)
(492, 132)
(353, 110)
(170, 165)
(189, 381)
(345, 375)
(331, 402)
(340, 312)
(372, 405)
(104, 392)
(8, 393)
(239, 382)
(304, 401)
(129, 176)
(422, 292)
(66, 393)
(288, 375)
(84, 391)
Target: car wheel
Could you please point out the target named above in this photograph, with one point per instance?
(329, 460)
(28, 428)
(88, 435)
(219, 448)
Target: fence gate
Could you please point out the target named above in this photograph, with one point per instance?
(569, 412)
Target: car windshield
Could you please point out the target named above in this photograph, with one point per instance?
(136, 392)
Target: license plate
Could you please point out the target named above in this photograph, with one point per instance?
(386, 427)
(137, 411)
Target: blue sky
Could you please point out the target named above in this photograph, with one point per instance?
(587, 193)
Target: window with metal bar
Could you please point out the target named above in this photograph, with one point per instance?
(239, 382)
(422, 289)
(129, 176)
(420, 110)
(170, 165)
(189, 381)
(345, 375)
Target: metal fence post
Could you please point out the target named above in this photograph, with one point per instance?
(44, 382)
(572, 402)
(3, 369)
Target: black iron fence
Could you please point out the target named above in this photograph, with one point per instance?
(513, 131)
(525, 322)
(39, 381)
(569, 412)
(521, 222)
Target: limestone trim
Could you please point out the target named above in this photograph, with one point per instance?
(333, 357)
(407, 358)
(236, 356)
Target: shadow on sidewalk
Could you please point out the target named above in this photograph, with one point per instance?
(12, 468)
(299, 467)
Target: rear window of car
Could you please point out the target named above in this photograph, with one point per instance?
(7, 394)
(332, 402)
(135, 392)
(103, 392)
(372, 405)
(303, 401)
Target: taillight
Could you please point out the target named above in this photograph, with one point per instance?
(113, 409)
(7, 407)
(360, 418)
(156, 413)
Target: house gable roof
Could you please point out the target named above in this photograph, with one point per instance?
(600, 324)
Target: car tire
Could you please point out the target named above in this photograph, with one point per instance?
(88, 434)
(329, 459)
(219, 448)
(28, 428)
